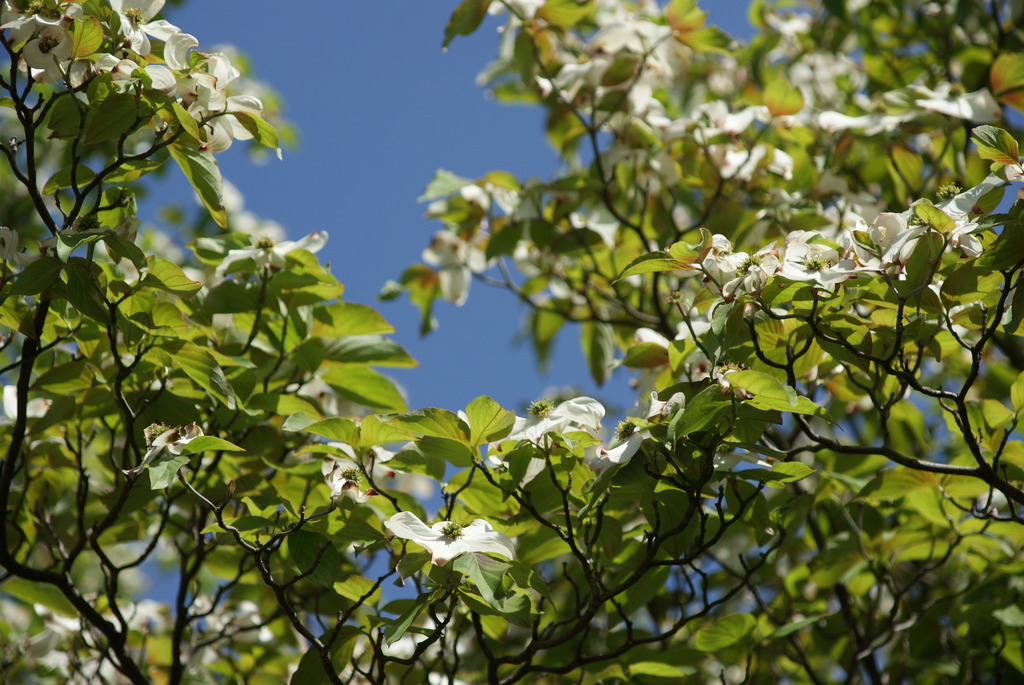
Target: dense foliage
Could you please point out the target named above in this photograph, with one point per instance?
(805, 249)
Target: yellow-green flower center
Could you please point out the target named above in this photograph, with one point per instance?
(751, 262)
(948, 190)
(351, 474)
(153, 430)
(135, 15)
(47, 43)
(39, 7)
(264, 243)
(817, 264)
(451, 529)
(540, 408)
(624, 430)
(87, 222)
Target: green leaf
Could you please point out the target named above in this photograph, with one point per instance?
(67, 242)
(316, 555)
(645, 356)
(783, 98)
(37, 276)
(684, 15)
(456, 452)
(199, 365)
(133, 170)
(365, 386)
(62, 178)
(358, 588)
(723, 633)
(87, 35)
(770, 393)
(933, 216)
(400, 625)
(261, 130)
(164, 275)
(411, 563)
(700, 412)
(373, 350)
(184, 120)
(598, 348)
(706, 38)
(793, 627)
(82, 292)
(1017, 393)
(465, 20)
(66, 118)
(651, 263)
(164, 471)
(438, 423)
(1007, 79)
(32, 592)
(565, 13)
(996, 144)
(119, 247)
(114, 118)
(443, 184)
(659, 669)
(896, 483)
(485, 573)
(201, 170)
(1012, 616)
(347, 318)
(339, 430)
(488, 420)
(310, 670)
(782, 472)
(209, 443)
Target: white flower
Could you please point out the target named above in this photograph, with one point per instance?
(627, 444)
(978, 107)
(48, 53)
(134, 14)
(455, 260)
(887, 244)
(579, 413)
(33, 410)
(815, 261)
(23, 24)
(526, 9)
(446, 540)
(9, 251)
(342, 476)
(269, 254)
(172, 440)
(733, 274)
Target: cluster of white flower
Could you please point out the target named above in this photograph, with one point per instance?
(44, 32)
(882, 246)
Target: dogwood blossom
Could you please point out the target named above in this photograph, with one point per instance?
(455, 260)
(446, 540)
(134, 14)
(978, 107)
(820, 262)
(173, 440)
(343, 476)
(269, 254)
(579, 413)
(48, 53)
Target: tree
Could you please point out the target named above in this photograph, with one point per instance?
(804, 249)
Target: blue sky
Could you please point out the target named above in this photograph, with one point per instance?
(380, 107)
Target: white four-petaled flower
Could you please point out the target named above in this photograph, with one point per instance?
(446, 540)
(342, 477)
